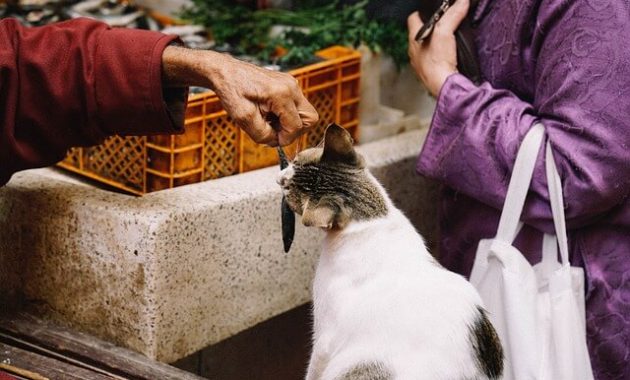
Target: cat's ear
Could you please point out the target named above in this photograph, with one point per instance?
(327, 213)
(338, 147)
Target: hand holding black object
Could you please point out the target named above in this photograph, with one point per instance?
(399, 10)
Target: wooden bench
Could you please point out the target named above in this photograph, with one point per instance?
(35, 349)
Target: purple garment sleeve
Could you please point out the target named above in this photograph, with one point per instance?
(477, 130)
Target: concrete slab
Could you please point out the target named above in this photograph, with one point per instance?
(172, 272)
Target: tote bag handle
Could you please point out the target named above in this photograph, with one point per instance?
(554, 184)
(509, 224)
(522, 173)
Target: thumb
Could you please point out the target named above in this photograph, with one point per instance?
(414, 23)
(454, 16)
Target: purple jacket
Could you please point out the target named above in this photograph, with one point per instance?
(567, 65)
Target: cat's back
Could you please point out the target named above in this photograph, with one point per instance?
(380, 293)
(389, 251)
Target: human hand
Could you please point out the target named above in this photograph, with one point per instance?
(251, 95)
(435, 58)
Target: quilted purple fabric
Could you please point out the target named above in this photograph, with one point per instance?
(565, 64)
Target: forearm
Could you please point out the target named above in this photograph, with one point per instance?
(474, 135)
(477, 130)
(575, 88)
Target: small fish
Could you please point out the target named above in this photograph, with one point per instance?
(288, 217)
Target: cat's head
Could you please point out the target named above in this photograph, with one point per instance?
(330, 186)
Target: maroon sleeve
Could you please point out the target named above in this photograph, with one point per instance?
(75, 83)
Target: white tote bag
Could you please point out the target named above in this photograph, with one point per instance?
(537, 311)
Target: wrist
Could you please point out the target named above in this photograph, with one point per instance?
(183, 67)
(213, 68)
(438, 79)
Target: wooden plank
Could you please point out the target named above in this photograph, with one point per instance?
(33, 366)
(93, 352)
(33, 348)
(18, 373)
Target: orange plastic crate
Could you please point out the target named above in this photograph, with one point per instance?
(212, 146)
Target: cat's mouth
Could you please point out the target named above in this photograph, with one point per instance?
(284, 178)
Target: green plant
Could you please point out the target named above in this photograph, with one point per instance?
(307, 29)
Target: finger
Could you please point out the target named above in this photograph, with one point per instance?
(290, 123)
(454, 16)
(414, 23)
(270, 139)
(257, 128)
(308, 113)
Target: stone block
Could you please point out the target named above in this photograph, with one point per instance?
(172, 272)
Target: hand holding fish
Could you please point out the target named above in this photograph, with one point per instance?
(248, 93)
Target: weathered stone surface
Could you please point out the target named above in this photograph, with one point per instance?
(174, 271)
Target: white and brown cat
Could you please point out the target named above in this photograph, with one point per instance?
(384, 309)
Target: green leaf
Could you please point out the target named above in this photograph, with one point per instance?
(327, 22)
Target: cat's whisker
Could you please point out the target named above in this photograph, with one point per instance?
(298, 148)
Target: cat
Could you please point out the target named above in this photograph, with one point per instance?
(383, 307)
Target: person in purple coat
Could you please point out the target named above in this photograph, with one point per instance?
(565, 64)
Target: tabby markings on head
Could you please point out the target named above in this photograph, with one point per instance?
(330, 185)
